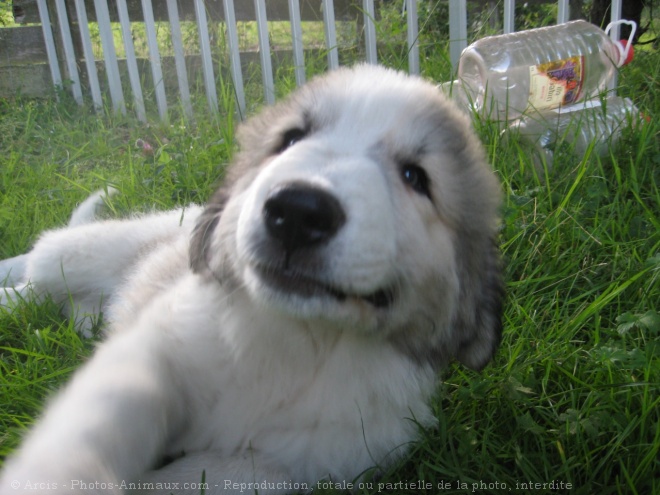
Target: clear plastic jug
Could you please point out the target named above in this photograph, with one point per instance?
(541, 69)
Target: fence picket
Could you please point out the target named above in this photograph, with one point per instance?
(69, 53)
(615, 32)
(413, 36)
(205, 49)
(234, 56)
(615, 15)
(131, 60)
(297, 42)
(264, 51)
(370, 31)
(457, 30)
(179, 58)
(509, 16)
(563, 11)
(154, 58)
(51, 53)
(109, 55)
(90, 62)
(330, 34)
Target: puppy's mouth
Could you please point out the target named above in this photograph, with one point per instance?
(291, 282)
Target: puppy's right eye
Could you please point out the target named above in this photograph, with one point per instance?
(416, 178)
(290, 137)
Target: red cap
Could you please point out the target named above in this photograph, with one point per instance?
(631, 52)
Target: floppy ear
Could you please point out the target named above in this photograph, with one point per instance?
(478, 323)
(201, 236)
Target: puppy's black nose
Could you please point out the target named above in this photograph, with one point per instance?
(299, 215)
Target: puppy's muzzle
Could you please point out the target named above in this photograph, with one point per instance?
(299, 216)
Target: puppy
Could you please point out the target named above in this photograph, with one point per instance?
(295, 334)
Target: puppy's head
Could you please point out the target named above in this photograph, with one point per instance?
(364, 201)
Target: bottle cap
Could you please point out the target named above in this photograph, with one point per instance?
(624, 46)
(627, 52)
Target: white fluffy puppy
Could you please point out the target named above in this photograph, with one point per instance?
(296, 333)
(82, 265)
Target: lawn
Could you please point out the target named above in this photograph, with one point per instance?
(571, 401)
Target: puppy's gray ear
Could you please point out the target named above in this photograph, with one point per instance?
(203, 232)
(478, 323)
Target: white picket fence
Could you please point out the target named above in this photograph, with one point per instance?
(457, 31)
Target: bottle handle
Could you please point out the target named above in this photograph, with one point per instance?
(623, 52)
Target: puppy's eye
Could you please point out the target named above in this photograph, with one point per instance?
(415, 177)
(289, 138)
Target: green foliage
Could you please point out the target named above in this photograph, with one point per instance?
(6, 16)
(483, 18)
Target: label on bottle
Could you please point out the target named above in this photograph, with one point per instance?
(556, 83)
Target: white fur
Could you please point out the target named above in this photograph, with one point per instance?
(255, 383)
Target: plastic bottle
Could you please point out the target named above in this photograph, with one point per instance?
(596, 123)
(455, 91)
(541, 68)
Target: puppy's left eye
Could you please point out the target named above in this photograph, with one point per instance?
(290, 137)
(416, 178)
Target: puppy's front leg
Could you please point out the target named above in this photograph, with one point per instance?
(106, 427)
(12, 270)
(12, 274)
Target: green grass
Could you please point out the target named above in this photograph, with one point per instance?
(573, 393)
